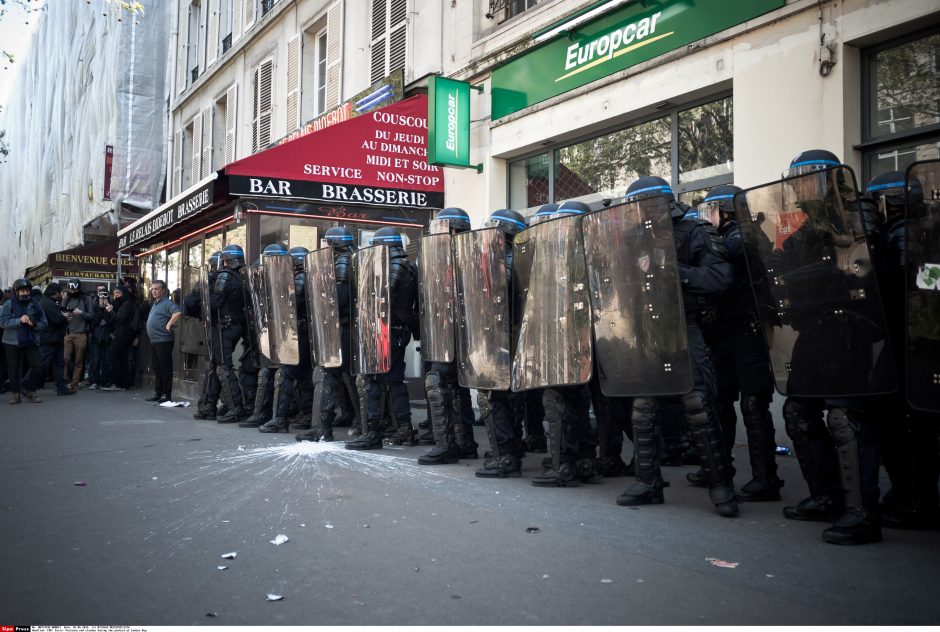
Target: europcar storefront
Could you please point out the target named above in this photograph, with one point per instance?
(706, 93)
(364, 173)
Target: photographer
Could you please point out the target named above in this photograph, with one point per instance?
(123, 317)
(99, 342)
(52, 339)
(81, 307)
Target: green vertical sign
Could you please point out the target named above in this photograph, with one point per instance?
(635, 33)
(448, 122)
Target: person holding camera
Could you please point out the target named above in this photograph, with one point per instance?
(99, 341)
(123, 319)
(81, 308)
(22, 319)
(52, 339)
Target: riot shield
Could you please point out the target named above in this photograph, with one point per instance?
(252, 331)
(483, 318)
(193, 336)
(827, 337)
(371, 311)
(282, 311)
(636, 301)
(922, 223)
(259, 309)
(551, 306)
(437, 298)
(323, 317)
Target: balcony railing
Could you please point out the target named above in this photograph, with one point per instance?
(226, 43)
(266, 5)
(194, 73)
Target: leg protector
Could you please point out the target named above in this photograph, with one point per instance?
(489, 423)
(440, 410)
(711, 449)
(231, 394)
(463, 428)
(813, 446)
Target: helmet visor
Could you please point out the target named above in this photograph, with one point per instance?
(708, 211)
(812, 166)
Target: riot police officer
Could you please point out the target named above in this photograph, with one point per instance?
(295, 376)
(263, 409)
(453, 434)
(572, 440)
(332, 389)
(403, 321)
(206, 407)
(741, 361)
(502, 410)
(907, 437)
(838, 457)
(227, 305)
(704, 272)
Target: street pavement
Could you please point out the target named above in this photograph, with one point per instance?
(118, 512)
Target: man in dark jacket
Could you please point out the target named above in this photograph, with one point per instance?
(21, 320)
(52, 340)
(123, 320)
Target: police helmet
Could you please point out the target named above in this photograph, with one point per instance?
(572, 207)
(22, 284)
(297, 255)
(891, 191)
(273, 250)
(543, 213)
(339, 237)
(507, 220)
(215, 260)
(647, 187)
(811, 161)
(718, 204)
(233, 255)
(387, 236)
(457, 218)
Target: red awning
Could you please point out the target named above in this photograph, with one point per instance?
(379, 158)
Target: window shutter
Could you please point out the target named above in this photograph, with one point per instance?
(231, 118)
(182, 46)
(293, 83)
(334, 55)
(206, 142)
(249, 15)
(177, 163)
(397, 40)
(197, 149)
(236, 6)
(263, 102)
(212, 32)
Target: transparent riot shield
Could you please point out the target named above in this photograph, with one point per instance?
(827, 337)
(259, 309)
(371, 311)
(251, 319)
(483, 318)
(437, 298)
(636, 301)
(282, 311)
(193, 330)
(551, 307)
(323, 313)
(922, 223)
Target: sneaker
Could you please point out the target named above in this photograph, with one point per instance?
(93, 387)
(32, 397)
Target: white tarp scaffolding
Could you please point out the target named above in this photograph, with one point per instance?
(94, 76)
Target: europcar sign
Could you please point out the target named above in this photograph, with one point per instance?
(448, 122)
(636, 33)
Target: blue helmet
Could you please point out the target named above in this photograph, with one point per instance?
(810, 161)
(297, 255)
(572, 207)
(647, 187)
(457, 218)
(273, 250)
(233, 254)
(387, 236)
(507, 220)
(339, 237)
(719, 200)
(215, 261)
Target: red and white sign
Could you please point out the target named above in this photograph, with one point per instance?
(379, 158)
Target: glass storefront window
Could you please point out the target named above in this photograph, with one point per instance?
(905, 87)
(237, 234)
(212, 243)
(706, 141)
(900, 157)
(194, 253)
(290, 231)
(529, 182)
(694, 198)
(174, 277)
(146, 275)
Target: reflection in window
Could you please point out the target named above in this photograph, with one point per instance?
(276, 229)
(173, 278)
(900, 157)
(693, 198)
(606, 165)
(212, 245)
(906, 82)
(706, 141)
(237, 234)
(528, 180)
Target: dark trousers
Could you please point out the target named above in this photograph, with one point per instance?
(52, 357)
(122, 376)
(99, 354)
(299, 376)
(742, 367)
(161, 359)
(394, 379)
(18, 359)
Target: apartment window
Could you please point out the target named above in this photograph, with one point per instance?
(389, 37)
(223, 128)
(186, 155)
(225, 24)
(901, 103)
(691, 147)
(262, 105)
(518, 6)
(194, 47)
(320, 80)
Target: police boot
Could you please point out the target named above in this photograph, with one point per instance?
(371, 440)
(278, 424)
(302, 422)
(536, 444)
(859, 524)
(761, 447)
(817, 459)
(204, 414)
(564, 475)
(326, 427)
(557, 473)
(611, 467)
(697, 478)
(588, 470)
(309, 436)
(440, 417)
(231, 397)
(466, 444)
(647, 447)
(505, 466)
(711, 449)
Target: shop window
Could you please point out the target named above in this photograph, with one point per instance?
(690, 147)
(195, 253)
(212, 244)
(174, 277)
(901, 97)
(290, 231)
(237, 234)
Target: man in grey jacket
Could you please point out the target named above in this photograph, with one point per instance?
(80, 308)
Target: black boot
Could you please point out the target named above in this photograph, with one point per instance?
(647, 448)
(371, 440)
(536, 444)
(713, 458)
(565, 476)
(426, 438)
(588, 471)
(302, 422)
(437, 456)
(757, 490)
(697, 478)
(204, 414)
(308, 436)
(507, 466)
(234, 415)
(278, 424)
(815, 509)
(761, 447)
(257, 419)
